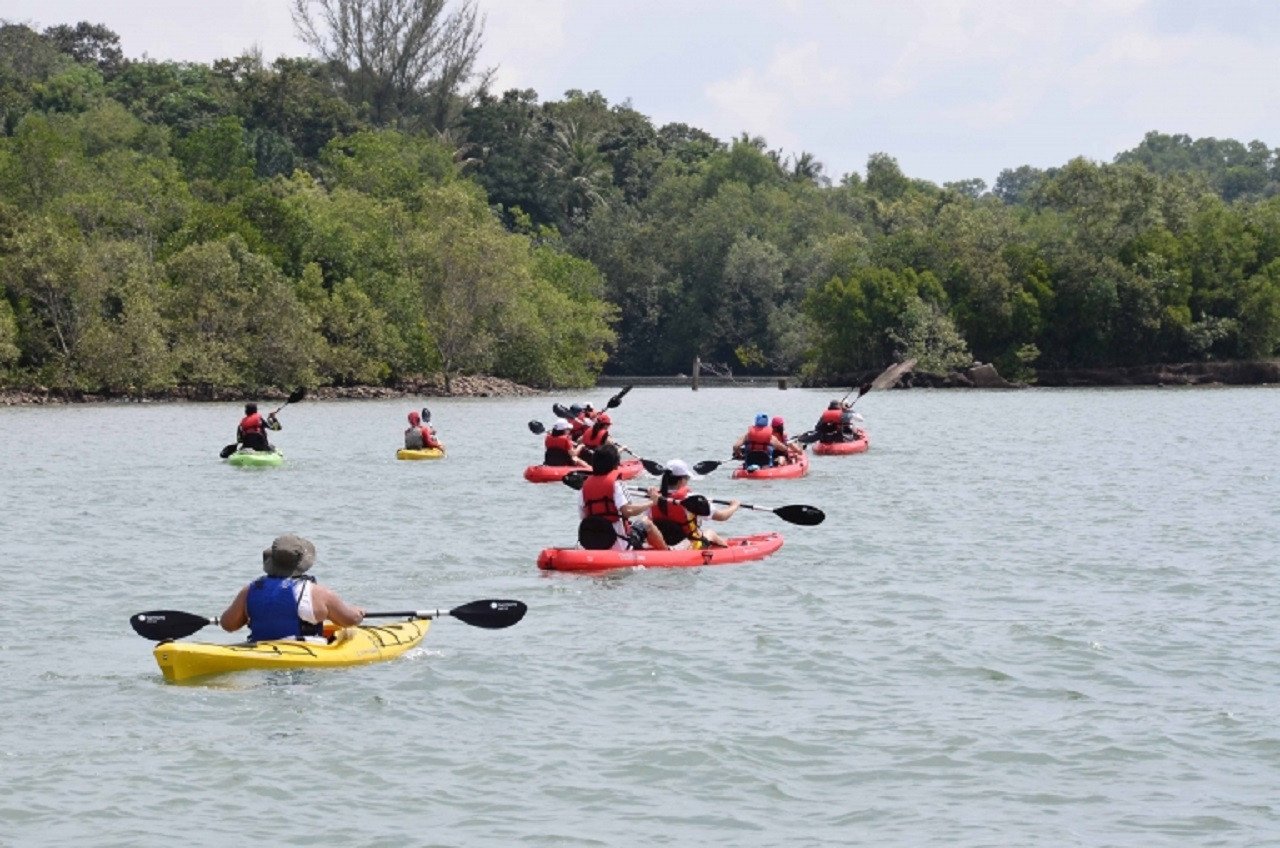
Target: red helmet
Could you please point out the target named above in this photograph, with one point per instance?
(778, 423)
(604, 418)
(414, 418)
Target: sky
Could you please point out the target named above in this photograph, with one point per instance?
(952, 89)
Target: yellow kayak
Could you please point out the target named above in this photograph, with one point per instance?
(421, 453)
(350, 646)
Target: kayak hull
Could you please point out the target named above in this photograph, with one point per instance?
(555, 473)
(351, 646)
(858, 445)
(775, 472)
(249, 458)
(421, 453)
(740, 549)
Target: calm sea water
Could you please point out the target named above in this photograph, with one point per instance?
(1031, 618)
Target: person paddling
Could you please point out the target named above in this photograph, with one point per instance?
(559, 447)
(759, 446)
(420, 436)
(830, 426)
(605, 511)
(287, 603)
(578, 422)
(597, 436)
(252, 431)
(680, 527)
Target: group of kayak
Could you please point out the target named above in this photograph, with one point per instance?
(664, 525)
(295, 623)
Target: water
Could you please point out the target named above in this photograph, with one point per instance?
(1031, 618)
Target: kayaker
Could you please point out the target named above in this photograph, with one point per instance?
(420, 436)
(830, 426)
(287, 603)
(605, 510)
(578, 422)
(779, 427)
(597, 436)
(680, 527)
(758, 446)
(848, 422)
(252, 430)
(559, 448)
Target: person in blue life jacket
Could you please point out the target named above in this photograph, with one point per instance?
(287, 603)
(760, 447)
(252, 429)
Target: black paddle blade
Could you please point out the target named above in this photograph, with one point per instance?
(298, 394)
(536, 428)
(707, 466)
(802, 514)
(616, 400)
(163, 625)
(807, 438)
(426, 415)
(655, 468)
(228, 450)
(574, 479)
(490, 614)
(561, 411)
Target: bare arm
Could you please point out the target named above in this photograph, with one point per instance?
(725, 511)
(326, 604)
(237, 615)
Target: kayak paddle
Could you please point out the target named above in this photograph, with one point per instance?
(614, 402)
(298, 394)
(802, 514)
(883, 380)
(167, 625)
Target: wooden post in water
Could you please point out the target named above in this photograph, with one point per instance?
(782, 383)
(697, 366)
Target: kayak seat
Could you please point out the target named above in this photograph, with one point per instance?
(556, 458)
(760, 459)
(596, 533)
(672, 533)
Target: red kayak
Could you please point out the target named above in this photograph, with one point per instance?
(555, 473)
(858, 445)
(799, 468)
(740, 549)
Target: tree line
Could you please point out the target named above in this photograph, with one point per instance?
(377, 214)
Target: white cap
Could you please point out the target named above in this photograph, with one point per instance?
(678, 468)
(560, 424)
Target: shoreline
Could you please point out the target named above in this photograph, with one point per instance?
(1249, 373)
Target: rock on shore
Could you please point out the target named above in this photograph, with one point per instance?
(467, 386)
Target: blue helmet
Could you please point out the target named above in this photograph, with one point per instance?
(762, 419)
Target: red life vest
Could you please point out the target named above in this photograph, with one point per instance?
(559, 441)
(597, 497)
(669, 510)
(759, 439)
(596, 436)
(830, 417)
(251, 424)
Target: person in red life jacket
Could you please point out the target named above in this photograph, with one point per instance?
(681, 527)
(779, 427)
(559, 447)
(830, 424)
(759, 447)
(578, 422)
(420, 436)
(597, 436)
(287, 603)
(252, 430)
(605, 511)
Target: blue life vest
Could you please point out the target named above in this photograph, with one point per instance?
(273, 609)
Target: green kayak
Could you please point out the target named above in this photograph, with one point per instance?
(248, 458)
